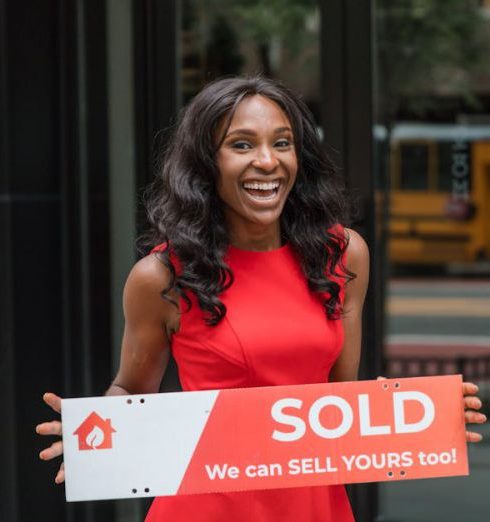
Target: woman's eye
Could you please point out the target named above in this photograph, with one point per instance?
(241, 145)
(283, 143)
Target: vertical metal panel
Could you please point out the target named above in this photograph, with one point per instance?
(98, 197)
(8, 446)
(347, 115)
(156, 36)
(347, 120)
(86, 510)
(83, 194)
(122, 183)
(91, 242)
(67, 164)
(332, 75)
(122, 188)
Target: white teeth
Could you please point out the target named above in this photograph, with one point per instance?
(261, 186)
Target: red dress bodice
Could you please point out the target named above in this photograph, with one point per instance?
(275, 332)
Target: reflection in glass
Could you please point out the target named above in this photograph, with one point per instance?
(432, 81)
(278, 38)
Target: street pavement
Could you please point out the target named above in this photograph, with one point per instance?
(451, 317)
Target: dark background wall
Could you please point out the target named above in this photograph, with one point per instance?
(53, 234)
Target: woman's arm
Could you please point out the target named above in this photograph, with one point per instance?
(149, 323)
(357, 261)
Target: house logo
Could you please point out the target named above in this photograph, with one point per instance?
(94, 433)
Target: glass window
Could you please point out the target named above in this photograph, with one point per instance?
(414, 166)
(433, 98)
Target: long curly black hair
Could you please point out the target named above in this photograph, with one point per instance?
(186, 213)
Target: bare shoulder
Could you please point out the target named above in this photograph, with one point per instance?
(357, 261)
(142, 298)
(357, 254)
(148, 274)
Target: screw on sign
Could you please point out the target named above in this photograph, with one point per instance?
(94, 433)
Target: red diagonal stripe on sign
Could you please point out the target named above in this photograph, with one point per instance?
(237, 451)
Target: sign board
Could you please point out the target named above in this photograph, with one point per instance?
(260, 438)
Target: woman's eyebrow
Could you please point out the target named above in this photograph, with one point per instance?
(247, 132)
(250, 132)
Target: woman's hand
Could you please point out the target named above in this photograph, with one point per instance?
(472, 403)
(52, 428)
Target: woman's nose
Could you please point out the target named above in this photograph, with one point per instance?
(266, 159)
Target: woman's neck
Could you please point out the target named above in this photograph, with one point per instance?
(256, 237)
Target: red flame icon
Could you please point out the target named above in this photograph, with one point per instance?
(94, 433)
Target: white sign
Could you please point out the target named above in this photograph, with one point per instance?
(131, 446)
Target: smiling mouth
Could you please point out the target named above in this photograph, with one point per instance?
(262, 190)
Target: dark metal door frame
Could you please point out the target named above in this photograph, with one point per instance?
(347, 119)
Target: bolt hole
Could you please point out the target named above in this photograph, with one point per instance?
(147, 490)
(402, 473)
(129, 401)
(397, 384)
(142, 401)
(385, 386)
(390, 473)
(134, 490)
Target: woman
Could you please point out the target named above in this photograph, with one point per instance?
(255, 282)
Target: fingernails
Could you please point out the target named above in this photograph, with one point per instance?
(483, 417)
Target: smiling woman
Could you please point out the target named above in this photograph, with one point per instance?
(257, 165)
(254, 281)
(248, 219)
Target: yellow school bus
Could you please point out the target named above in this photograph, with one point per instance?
(439, 199)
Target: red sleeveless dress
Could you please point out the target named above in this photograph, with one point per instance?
(275, 332)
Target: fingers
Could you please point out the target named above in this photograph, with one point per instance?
(473, 417)
(52, 428)
(55, 450)
(49, 428)
(472, 402)
(381, 378)
(60, 476)
(53, 401)
(469, 388)
(471, 436)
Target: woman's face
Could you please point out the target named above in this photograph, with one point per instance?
(257, 164)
